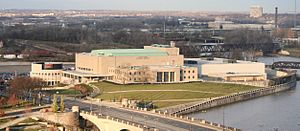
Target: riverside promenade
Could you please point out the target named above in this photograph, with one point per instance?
(282, 84)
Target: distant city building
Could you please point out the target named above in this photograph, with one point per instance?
(256, 11)
(43, 14)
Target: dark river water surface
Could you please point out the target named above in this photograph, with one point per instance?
(280, 111)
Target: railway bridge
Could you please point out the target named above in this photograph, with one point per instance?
(196, 49)
(286, 64)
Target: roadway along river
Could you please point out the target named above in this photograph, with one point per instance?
(279, 111)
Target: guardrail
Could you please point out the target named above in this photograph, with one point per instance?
(192, 120)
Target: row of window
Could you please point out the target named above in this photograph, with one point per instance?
(193, 77)
(137, 73)
(85, 69)
(130, 73)
(189, 71)
(47, 74)
(129, 78)
(51, 83)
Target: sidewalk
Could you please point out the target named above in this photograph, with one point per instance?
(58, 88)
(22, 110)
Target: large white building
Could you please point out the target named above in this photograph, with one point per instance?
(228, 70)
(153, 64)
(256, 11)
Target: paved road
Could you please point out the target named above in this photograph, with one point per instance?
(13, 122)
(22, 111)
(151, 121)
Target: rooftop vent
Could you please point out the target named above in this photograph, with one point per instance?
(172, 44)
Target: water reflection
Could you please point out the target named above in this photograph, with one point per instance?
(280, 111)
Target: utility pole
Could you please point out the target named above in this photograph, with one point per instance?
(91, 107)
(295, 15)
(164, 28)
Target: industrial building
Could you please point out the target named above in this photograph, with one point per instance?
(227, 69)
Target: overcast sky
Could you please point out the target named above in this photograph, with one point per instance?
(186, 5)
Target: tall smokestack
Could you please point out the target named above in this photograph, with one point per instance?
(276, 17)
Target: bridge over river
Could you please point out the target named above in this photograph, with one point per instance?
(286, 64)
(196, 49)
(109, 118)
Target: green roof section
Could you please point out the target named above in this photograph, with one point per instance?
(129, 52)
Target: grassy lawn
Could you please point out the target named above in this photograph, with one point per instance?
(157, 95)
(295, 52)
(185, 92)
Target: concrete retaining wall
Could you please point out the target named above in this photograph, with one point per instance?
(236, 97)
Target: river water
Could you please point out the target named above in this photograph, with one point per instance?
(280, 111)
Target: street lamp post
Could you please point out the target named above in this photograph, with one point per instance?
(91, 107)
(56, 112)
(223, 118)
(145, 122)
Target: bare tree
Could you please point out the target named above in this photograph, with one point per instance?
(245, 36)
(146, 75)
(12, 100)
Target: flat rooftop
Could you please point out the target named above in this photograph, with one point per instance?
(47, 63)
(214, 61)
(129, 52)
(84, 74)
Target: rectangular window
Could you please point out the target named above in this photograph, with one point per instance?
(172, 76)
(166, 76)
(159, 77)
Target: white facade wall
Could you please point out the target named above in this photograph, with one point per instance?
(207, 69)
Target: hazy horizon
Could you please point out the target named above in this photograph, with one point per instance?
(153, 5)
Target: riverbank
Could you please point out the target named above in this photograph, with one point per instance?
(232, 98)
(277, 111)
